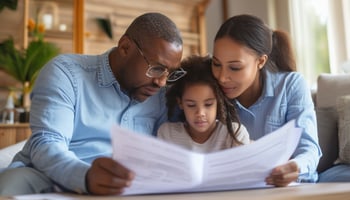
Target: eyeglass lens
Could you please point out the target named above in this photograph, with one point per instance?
(176, 75)
(156, 71)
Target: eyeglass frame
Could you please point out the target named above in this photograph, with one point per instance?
(176, 74)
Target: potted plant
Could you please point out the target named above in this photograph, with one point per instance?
(25, 64)
(11, 4)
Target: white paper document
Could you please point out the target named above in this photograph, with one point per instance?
(161, 167)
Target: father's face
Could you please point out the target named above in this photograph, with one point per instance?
(145, 76)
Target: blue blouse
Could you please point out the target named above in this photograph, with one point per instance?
(286, 96)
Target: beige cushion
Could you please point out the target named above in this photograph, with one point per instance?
(327, 119)
(7, 153)
(329, 88)
(343, 107)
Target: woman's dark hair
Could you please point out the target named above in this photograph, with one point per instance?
(252, 32)
(198, 70)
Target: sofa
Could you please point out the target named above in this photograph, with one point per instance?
(332, 106)
(330, 90)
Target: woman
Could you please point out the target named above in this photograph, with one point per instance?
(255, 68)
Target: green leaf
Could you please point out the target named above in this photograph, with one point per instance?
(11, 4)
(24, 65)
(11, 59)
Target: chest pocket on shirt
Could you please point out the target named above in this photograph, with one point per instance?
(144, 125)
(276, 119)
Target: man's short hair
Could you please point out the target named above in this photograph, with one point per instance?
(151, 26)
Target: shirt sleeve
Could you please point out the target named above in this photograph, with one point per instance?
(163, 132)
(243, 135)
(52, 124)
(301, 108)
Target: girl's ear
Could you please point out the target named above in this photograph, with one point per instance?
(262, 60)
(179, 102)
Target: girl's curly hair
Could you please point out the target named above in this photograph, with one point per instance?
(198, 70)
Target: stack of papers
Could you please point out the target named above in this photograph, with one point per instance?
(161, 167)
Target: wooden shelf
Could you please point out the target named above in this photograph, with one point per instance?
(13, 133)
(188, 15)
(83, 32)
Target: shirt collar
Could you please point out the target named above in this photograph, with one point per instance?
(268, 83)
(105, 75)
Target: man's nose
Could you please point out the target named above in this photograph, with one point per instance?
(161, 81)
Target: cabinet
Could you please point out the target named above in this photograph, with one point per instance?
(13, 133)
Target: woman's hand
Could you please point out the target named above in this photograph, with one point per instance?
(107, 177)
(283, 175)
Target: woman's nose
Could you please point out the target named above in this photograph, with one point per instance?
(222, 75)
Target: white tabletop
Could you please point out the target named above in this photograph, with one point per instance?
(320, 191)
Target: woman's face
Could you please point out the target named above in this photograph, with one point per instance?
(236, 67)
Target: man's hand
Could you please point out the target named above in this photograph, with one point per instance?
(107, 177)
(283, 175)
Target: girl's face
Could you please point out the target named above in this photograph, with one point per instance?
(200, 107)
(236, 67)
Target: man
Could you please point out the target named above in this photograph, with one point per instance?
(77, 98)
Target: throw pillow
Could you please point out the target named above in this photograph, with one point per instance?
(343, 107)
(327, 125)
(331, 86)
(7, 153)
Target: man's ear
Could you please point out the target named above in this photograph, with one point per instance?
(262, 60)
(124, 45)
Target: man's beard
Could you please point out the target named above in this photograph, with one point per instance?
(139, 93)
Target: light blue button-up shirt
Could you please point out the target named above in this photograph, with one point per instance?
(286, 96)
(75, 101)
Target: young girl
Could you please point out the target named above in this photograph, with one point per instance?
(208, 119)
